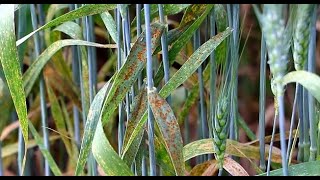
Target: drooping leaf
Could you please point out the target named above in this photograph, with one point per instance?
(308, 80)
(59, 63)
(86, 10)
(123, 10)
(31, 75)
(169, 129)
(11, 67)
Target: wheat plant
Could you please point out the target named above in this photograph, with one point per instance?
(159, 89)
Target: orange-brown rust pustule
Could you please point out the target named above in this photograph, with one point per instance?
(142, 55)
(156, 34)
(130, 71)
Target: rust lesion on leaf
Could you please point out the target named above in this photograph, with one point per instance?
(131, 70)
(142, 55)
(156, 33)
(158, 103)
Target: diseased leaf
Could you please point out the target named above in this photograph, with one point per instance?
(208, 168)
(205, 146)
(86, 10)
(138, 106)
(234, 168)
(188, 68)
(11, 68)
(128, 74)
(123, 80)
(193, 94)
(169, 129)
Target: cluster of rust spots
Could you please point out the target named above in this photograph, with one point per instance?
(116, 93)
(142, 55)
(158, 103)
(156, 33)
(218, 36)
(195, 11)
(130, 71)
(140, 106)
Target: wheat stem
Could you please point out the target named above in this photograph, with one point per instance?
(87, 26)
(311, 68)
(262, 102)
(292, 121)
(150, 86)
(271, 144)
(44, 120)
(119, 64)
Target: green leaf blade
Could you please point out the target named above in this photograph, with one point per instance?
(11, 67)
(307, 79)
(303, 169)
(90, 127)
